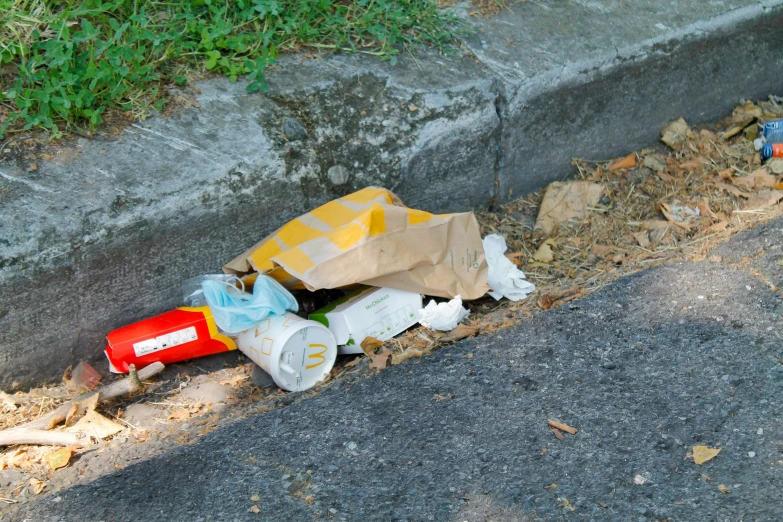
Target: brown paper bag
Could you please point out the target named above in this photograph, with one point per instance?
(370, 237)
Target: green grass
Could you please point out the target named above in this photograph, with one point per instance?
(67, 64)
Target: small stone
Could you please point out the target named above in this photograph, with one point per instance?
(294, 130)
(760, 431)
(751, 454)
(351, 446)
(609, 365)
(338, 175)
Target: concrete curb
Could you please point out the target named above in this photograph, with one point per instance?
(102, 233)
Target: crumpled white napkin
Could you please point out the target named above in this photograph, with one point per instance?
(504, 278)
(443, 316)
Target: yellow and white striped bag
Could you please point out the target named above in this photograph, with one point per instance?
(370, 237)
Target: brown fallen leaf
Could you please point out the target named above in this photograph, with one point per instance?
(718, 227)
(702, 454)
(731, 189)
(558, 433)
(694, 165)
(544, 253)
(79, 408)
(96, 425)
(676, 133)
(370, 345)
(600, 250)
(255, 498)
(21, 459)
(623, 163)
(746, 113)
(564, 201)
(723, 489)
(179, 415)
(705, 210)
(656, 162)
(757, 179)
(551, 486)
(60, 458)
(382, 360)
(460, 332)
(38, 485)
(763, 199)
(255, 509)
(669, 214)
(643, 238)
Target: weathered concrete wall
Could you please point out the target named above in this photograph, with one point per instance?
(102, 233)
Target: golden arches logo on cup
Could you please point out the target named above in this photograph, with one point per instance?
(297, 353)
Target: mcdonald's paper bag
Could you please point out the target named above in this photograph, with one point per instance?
(370, 237)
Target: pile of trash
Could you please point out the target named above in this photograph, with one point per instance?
(353, 277)
(362, 263)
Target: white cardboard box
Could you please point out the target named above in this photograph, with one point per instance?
(369, 312)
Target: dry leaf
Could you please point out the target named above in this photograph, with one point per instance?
(544, 253)
(60, 458)
(564, 201)
(37, 485)
(676, 133)
(746, 113)
(656, 162)
(96, 425)
(702, 454)
(255, 509)
(600, 250)
(623, 163)
(669, 214)
(460, 332)
(731, 189)
(763, 199)
(558, 433)
(666, 177)
(691, 165)
(21, 459)
(718, 227)
(723, 489)
(705, 210)
(726, 174)
(757, 179)
(179, 415)
(80, 408)
(382, 360)
(643, 238)
(7, 401)
(370, 345)
(732, 131)
(255, 498)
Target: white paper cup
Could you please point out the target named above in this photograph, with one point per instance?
(296, 352)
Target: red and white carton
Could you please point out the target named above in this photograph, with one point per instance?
(178, 335)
